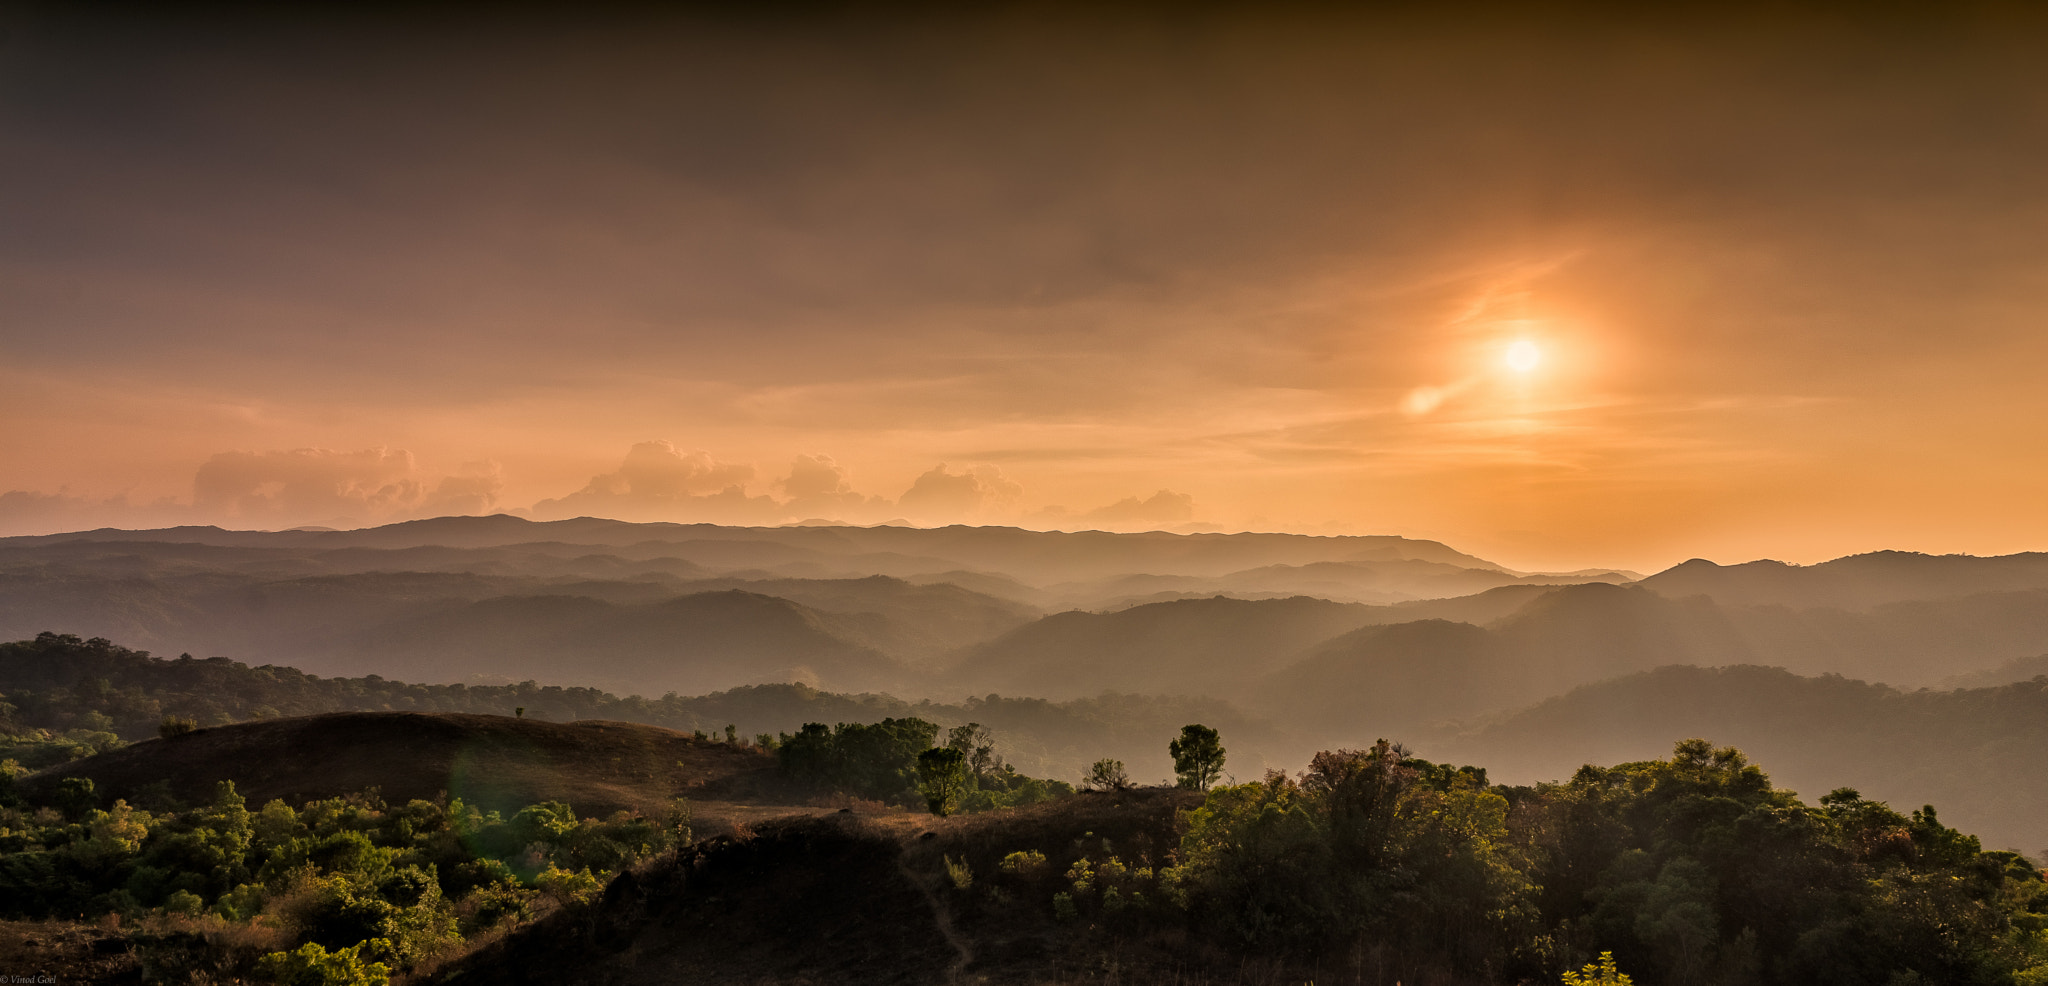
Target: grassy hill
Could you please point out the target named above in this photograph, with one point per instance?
(98, 691)
(853, 899)
(495, 762)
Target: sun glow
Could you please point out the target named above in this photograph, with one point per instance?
(1523, 356)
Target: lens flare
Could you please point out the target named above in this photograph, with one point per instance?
(1523, 356)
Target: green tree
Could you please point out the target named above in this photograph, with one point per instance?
(876, 760)
(942, 777)
(1197, 756)
(1107, 775)
(978, 745)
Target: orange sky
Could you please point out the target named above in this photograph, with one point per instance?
(1786, 273)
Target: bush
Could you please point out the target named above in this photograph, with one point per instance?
(1107, 775)
(175, 726)
(313, 965)
(1601, 973)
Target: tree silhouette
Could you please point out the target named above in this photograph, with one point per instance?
(1107, 775)
(1197, 756)
(942, 778)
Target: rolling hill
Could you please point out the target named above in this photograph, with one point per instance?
(1853, 582)
(1189, 647)
(1969, 751)
(498, 763)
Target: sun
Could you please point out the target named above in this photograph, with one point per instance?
(1523, 356)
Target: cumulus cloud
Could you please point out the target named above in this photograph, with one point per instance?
(655, 481)
(820, 488)
(26, 512)
(659, 482)
(972, 494)
(272, 489)
(472, 490)
(815, 477)
(308, 485)
(660, 469)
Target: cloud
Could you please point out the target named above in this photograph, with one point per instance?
(308, 485)
(657, 469)
(473, 490)
(815, 477)
(940, 495)
(1164, 510)
(655, 481)
(658, 482)
(25, 512)
(819, 488)
(273, 489)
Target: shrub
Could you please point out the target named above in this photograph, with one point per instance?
(1107, 775)
(312, 964)
(1025, 865)
(175, 726)
(961, 875)
(1601, 973)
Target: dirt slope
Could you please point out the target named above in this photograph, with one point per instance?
(846, 899)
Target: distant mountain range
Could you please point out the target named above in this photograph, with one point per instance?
(1335, 641)
(1037, 557)
(1272, 621)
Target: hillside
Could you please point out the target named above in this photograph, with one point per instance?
(1396, 680)
(1406, 678)
(1363, 581)
(693, 643)
(101, 691)
(1584, 633)
(1189, 647)
(651, 634)
(1035, 556)
(844, 899)
(497, 763)
(1962, 750)
(1912, 643)
(1853, 582)
(1287, 881)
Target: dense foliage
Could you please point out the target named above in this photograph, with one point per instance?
(894, 761)
(1687, 871)
(1691, 870)
(342, 890)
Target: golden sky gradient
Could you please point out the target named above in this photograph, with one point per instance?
(1786, 272)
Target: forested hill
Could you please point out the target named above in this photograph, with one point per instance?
(1974, 751)
(98, 691)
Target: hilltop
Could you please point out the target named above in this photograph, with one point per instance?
(846, 898)
(493, 762)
